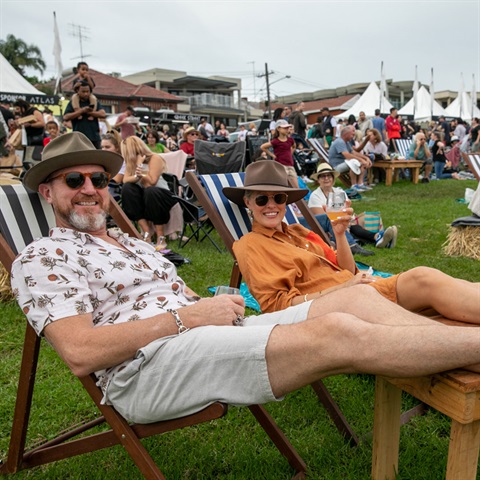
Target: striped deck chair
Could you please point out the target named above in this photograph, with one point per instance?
(24, 215)
(402, 146)
(473, 162)
(322, 153)
(231, 222)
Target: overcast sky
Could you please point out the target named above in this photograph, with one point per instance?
(319, 43)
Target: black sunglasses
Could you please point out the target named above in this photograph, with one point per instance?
(76, 180)
(278, 198)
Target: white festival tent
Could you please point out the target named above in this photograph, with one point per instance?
(368, 103)
(12, 82)
(464, 101)
(423, 109)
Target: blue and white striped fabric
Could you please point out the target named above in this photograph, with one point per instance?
(319, 148)
(24, 216)
(235, 218)
(474, 164)
(403, 146)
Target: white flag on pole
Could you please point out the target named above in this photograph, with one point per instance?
(474, 96)
(415, 91)
(57, 52)
(383, 89)
(460, 97)
(432, 94)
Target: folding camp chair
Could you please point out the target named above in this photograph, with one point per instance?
(24, 215)
(175, 166)
(231, 223)
(473, 162)
(211, 157)
(195, 220)
(323, 155)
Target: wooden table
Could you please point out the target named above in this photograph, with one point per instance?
(455, 394)
(392, 169)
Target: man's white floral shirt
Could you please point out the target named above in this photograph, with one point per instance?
(73, 273)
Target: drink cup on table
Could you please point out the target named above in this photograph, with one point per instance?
(336, 203)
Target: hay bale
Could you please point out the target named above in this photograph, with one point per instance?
(6, 294)
(463, 242)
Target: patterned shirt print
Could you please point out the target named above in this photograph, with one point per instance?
(73, 273)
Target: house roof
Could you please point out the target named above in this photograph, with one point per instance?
(108, 86)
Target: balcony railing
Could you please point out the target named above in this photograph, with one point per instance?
(213, 100)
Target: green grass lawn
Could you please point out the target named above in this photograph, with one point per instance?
(235, 447)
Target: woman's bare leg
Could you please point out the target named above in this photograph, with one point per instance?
(424, 287)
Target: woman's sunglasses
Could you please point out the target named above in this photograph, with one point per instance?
(76, 180)
(278, 198)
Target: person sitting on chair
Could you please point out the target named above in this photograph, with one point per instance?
(146, 197)
(344, 158)
(111, 304)
(286, 265)
(325, 178)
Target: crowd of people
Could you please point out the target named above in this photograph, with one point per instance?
(353, 145)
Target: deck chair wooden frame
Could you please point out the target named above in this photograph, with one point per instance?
(129, 435)
(323, 156)
(232, 233)
(473, 162)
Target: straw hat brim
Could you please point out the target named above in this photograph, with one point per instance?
(314, 176)
(112, 162)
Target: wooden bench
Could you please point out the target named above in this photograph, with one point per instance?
(392, 169)
(455, 394)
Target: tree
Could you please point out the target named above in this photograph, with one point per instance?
(20, 55)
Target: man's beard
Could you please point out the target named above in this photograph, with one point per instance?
(90, 222)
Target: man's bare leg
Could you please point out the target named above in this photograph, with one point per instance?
(335, 343)
(424, 287)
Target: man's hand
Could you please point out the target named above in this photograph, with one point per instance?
(221, 310)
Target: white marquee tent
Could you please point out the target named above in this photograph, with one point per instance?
(423, 109)
(464, 103)
(368, 103)
(12, 82)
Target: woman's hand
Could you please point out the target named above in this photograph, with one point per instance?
(360, 278)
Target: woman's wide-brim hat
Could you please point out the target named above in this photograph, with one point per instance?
(70, 150)
(265, 176)
(188, 131)
(324, 168)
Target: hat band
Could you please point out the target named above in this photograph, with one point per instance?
(267, 184)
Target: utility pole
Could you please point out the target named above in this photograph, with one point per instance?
(254, 89)
(266, 74)
(81, 33)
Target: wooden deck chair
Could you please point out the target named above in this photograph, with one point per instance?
(473, 162)
(24, 215)
(322, 153)
(231, 223)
